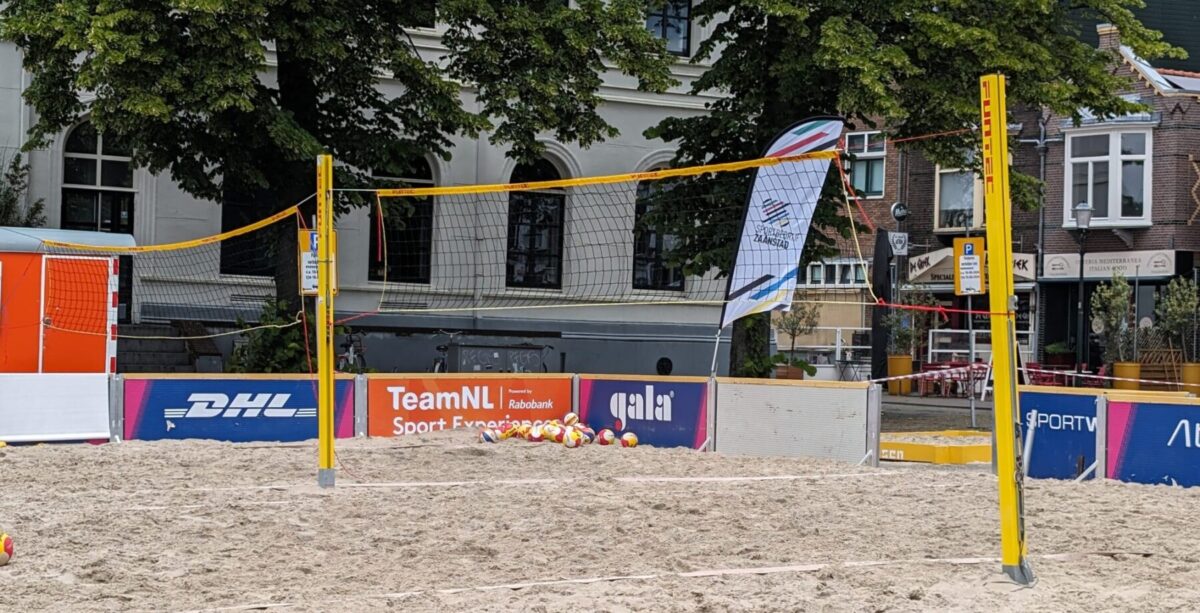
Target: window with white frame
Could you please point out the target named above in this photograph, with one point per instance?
(958, 200)
(1110, 171)
(838, 273)
(868, 150)
(671, 20)
(97, 192)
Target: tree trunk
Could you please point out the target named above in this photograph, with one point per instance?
(749, 346)
(751, 343)
(296, 185)
(294, 179)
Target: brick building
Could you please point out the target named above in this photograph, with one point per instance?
(1141, 173)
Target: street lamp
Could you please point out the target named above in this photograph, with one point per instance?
(1083, 219)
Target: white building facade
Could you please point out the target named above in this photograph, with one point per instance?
(89, 184)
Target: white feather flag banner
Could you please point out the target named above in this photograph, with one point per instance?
(777, 219)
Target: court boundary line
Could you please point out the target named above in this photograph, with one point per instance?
(699, 574)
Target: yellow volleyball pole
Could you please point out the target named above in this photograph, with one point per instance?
(1003, 303)
(326, 474)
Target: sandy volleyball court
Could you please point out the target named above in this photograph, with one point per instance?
(201, 525)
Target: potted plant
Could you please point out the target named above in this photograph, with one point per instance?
(922, 321)
(1176, 310)
(800, 321)
(899, 324)
(1059, 354)
(1111, 304)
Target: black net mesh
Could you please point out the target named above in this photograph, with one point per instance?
(649, 238)
(222, 278)
(660, 237)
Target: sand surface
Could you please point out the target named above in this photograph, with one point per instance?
(937, 439)
(180, 526)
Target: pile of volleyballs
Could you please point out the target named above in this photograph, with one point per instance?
(568, 431)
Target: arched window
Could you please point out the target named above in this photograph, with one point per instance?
(535, 229)
(406, 254)
(97, 193)
(651, 248)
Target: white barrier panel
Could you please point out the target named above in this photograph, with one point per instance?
(813, 419)
(53, 407)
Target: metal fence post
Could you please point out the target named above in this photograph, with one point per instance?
(1101, 436)
(712, 414)
(1030, 432)
(116, 408)
(874, 421)
(360, 405)
(575, 400)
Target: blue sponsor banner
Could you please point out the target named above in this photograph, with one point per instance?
(661, 412)
(1154, 443)
(1065, 442)
(237, 410)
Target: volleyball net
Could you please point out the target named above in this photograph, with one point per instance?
(663, 237)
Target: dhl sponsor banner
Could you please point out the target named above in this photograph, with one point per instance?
(416, 405)
(231, 409)
(660, 412)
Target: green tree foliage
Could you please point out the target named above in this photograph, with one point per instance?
(1176, 310)
(276, 343)
(252, 90)
(13, 209)
(910, 66)
(1112, 305)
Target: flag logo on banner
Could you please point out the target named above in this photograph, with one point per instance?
(778, 215)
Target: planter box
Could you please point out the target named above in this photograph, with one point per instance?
(900, 365)
(789, 372)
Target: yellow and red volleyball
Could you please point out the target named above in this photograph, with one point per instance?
(606, 437)
(6, 548)
(629, 439)
(572, 438)
(570, 419)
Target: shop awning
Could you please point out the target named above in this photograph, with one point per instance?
(938, 267)
(31, 240)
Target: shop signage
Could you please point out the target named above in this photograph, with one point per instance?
(968, 267)
(1102, 265)
(936, 267)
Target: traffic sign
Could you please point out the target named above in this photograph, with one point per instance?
(968, 267)
(307, 262)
